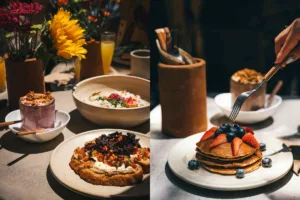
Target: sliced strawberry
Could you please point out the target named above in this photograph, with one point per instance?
(114, 96)
(250, 139)
(209, 134)
(218, 140)
(248, 130)
(130, 100)
(235, 145)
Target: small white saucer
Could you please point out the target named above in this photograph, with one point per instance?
(223, 101)
(61, 120)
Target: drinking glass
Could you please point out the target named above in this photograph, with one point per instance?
(107, 49)
(2, 75)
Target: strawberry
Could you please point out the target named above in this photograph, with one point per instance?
(220, 139)
(114, 96)
(209, 134)
(248, 130)
(250, 139)
(235, 145)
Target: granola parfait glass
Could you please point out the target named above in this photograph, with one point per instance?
(37, 111)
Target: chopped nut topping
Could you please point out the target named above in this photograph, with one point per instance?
(247, 76)
(37, 99)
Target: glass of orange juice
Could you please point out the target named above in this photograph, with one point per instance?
(2, 75)
(107, 49)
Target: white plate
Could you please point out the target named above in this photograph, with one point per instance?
(61, 120)
(184, 151)
(223, 101)
(61, 170)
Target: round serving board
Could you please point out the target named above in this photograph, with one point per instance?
(184, 151)
(59, 165)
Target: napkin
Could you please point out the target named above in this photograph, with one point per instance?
(294, 146)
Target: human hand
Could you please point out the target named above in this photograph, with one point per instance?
(286, 42)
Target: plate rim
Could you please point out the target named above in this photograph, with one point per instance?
(221, 187)
(86, 133)
(275, 106)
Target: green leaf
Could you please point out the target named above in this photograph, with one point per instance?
(7, 35)
(37, 26)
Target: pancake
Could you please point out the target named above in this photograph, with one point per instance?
(230, 164)
(222, 159)
(224, 151)
(232, 171)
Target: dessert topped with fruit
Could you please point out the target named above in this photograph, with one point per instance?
(246, 80)
(235, 135)
(227, 148)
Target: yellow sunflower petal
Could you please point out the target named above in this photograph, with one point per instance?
(67, 35)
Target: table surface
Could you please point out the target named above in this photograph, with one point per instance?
(24, 166)
(165, 185)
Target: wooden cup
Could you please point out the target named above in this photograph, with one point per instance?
(183, 98)
(92, 65)
(23, 77)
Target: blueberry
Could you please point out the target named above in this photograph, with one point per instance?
(233, 129)
(218, 132)
(193, 164)
(225, 127)
(236, 126)
(240, 173)
(266, 162)
(262, 146)
(240, 132)
(230, 136)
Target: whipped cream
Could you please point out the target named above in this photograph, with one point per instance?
(105, 167)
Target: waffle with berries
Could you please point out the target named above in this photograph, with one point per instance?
(227, 148)
(115, 159)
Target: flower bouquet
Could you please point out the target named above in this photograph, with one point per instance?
(94, 16)
(29, 47)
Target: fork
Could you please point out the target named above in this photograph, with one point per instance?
(242, 98)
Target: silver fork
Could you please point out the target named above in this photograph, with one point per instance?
(242, 98)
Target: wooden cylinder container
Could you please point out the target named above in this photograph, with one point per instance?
(183, 98)
(92, 65)
(23, 77)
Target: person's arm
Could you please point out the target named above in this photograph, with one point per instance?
(286, 42)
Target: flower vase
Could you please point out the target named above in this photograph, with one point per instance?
(92, 65)
(22, 77)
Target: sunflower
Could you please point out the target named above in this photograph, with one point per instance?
(67, 35)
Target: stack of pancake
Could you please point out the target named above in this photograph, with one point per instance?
(220, 159)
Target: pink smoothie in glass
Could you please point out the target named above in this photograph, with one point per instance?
(37, 111)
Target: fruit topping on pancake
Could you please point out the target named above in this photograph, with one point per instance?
(209, 134)
(248, 130)
(234, 134)
(236, 143)
(220, 139)
(250, 139)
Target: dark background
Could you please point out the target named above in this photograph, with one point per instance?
(229, 35)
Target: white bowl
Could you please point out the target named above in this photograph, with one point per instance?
(223, 101)
(61, 121)
(113, 117)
